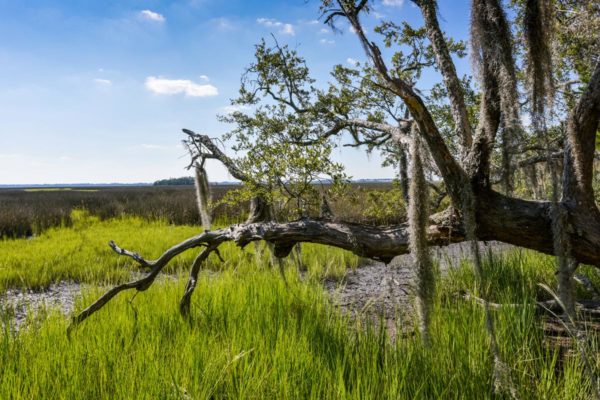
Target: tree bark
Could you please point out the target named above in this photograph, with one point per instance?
(582, 127)
(446, 66)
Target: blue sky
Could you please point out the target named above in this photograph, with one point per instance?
(98, 91)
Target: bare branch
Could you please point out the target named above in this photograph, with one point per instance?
(127, 253)
(216, 153)
(555, 155)
(399, 133)
(184, 304)
(367, 241)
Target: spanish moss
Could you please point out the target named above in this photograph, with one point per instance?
(202, 195)
(417, 218)
(492, 51)
(536, 21)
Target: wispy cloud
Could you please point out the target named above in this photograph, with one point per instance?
(327, 41)
(152, 16)
(284, 28)
(102, 82)
(352, 61)
(204, 78)
(223, 24)
(393, 3)
(166, 86)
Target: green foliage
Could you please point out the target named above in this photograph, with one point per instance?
(441, 112)
(279, 167)
(184, 180)
(385, 206)
(576, 42)
(415, 54)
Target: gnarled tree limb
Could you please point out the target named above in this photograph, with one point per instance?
(446, 66)
(368, 241)
(519, 222)
(451, 171)
(215, 153)
(582, 127)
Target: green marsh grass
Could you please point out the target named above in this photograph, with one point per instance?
(253, 336)
(80, 253)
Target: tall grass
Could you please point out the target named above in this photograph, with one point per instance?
(80, 253)
(252, 335)
(28, 212)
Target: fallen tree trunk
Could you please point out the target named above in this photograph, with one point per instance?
(522, 223)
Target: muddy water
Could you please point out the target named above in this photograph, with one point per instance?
(385, 292)
(16, 303)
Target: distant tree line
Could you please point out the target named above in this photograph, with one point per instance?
(184, 180)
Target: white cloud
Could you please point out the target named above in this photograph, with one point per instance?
(351, 29)
(393, 3)
(286, 29)
(102, 82)
(326, 41)
(204, 78)
(234, 108)
(324, 30)
(152, 16)
(352, 61)
(165, 86)
(223, 24)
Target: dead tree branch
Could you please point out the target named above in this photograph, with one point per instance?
(368, 241)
